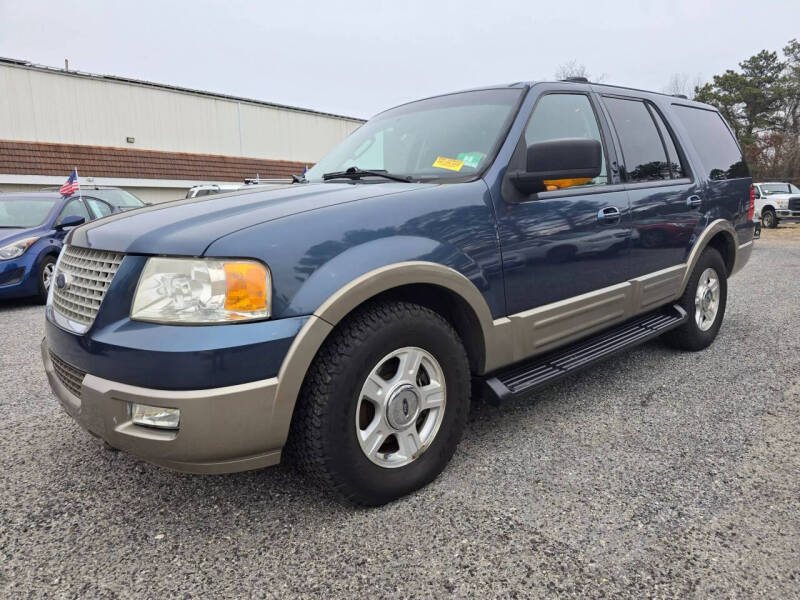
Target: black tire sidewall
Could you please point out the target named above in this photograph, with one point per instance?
(353, 465)
(696, 337)
(773, 220)
(47, 260)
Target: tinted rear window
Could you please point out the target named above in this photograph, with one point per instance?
(714, 141)
(642, 149)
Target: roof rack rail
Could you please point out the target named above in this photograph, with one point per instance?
(261, 180)
(576, 79)
(684, 96)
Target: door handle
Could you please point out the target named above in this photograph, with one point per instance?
(694, 201)
(609, 214)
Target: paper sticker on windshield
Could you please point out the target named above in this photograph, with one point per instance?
(471, 159)
(451, 164)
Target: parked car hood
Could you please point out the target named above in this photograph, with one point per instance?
(12, 234)
(188, 226)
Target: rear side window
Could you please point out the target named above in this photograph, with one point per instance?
(672, 152)
(100, 208)
(714, 142)
(642, 149)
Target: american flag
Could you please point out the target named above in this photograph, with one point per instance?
(72, 185)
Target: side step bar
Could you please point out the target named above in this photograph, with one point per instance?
(542, 370)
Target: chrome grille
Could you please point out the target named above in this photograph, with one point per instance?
(70, 377)
(88, 274)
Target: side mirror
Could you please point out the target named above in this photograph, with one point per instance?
(71, 221)
(554, 160)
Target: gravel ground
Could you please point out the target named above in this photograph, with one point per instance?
(657, 474)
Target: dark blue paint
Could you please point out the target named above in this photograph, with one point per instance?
(313, 254)
(174, 357)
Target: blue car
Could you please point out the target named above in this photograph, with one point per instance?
(487, 241)
(32, 231)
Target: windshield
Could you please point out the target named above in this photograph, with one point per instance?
(775, 188)
(446, 137)
(25, 212)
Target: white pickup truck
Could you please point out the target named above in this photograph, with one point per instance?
(776, 202)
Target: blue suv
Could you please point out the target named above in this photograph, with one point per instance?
(32, 230)
(487, 241)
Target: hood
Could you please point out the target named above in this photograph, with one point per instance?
(12, 234)
(187, 227)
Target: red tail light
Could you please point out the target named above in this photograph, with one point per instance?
(752, 210)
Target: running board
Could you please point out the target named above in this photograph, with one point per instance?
(542, 370)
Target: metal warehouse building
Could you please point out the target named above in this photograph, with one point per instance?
(152, 139)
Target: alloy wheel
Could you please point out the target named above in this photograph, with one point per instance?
(400, 407)
(706, 299)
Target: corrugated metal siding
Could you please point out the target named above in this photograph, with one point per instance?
(40, 106)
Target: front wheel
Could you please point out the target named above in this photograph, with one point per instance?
(704, 301)
(47, 270)
(384, 403)
(769, 220)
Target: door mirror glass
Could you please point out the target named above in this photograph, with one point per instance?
(560, 163)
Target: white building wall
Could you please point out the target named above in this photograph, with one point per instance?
(44, 106)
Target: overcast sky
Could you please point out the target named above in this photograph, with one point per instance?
(357, 58)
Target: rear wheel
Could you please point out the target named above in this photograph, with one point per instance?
(47, 270)
(704, 301)
(383, 405)
(768, 219)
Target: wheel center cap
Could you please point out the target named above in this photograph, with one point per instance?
(707, 298)
(403, 407)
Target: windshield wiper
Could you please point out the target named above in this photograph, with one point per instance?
(356, 173)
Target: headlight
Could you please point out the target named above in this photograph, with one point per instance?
(18, 248)
(189, 290)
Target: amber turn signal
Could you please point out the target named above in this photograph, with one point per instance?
(247, 286)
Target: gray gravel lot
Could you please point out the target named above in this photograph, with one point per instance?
(657, 474)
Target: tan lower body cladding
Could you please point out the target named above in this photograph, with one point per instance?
(546, 327)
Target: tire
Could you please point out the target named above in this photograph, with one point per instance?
(46, 272)
(699, 331)
(335, 413)
(768, 219)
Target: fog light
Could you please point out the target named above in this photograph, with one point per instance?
(155, 416)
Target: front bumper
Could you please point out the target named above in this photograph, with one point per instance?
(788, 215)
(222, 430)
(17, 278)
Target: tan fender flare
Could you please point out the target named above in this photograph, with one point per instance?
(715, 227)
(312, 335)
